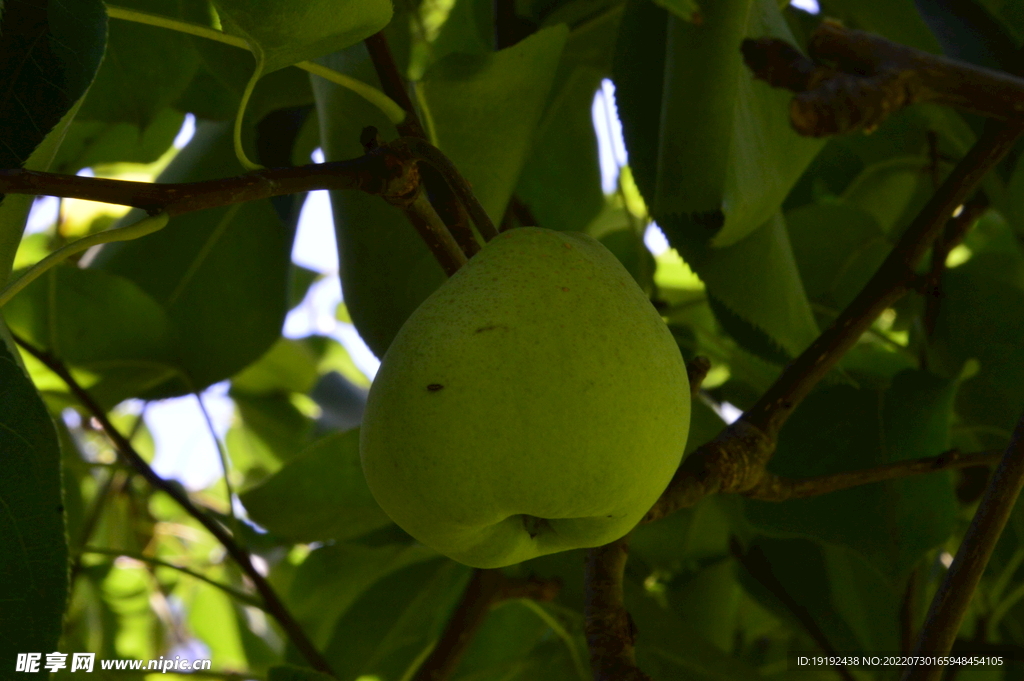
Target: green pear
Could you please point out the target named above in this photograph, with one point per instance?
(536, 402)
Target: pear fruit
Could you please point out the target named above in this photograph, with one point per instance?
(536, 402)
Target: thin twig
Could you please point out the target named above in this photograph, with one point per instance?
(951, 601)
(272, 601)
(775, 488)
(237, 594)
(446, 202)
(393, 84)
(225, 461)
(855, 80)
(113, 477)
(946, 240)
(435, 234)
(611, 633)
(486, 589)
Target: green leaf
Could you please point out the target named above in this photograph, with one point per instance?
(99, 323)
(727, 153)
(868, 601)
(468, 29)
(49, 54)
(222, 274)
(561, 180)
(215, 91)
(318, 495)
(33, 545)
(509, 634)
(289, 366)
(92, 143)
(329, 582)
(386, 270)
(290, 31)
(897, 20)
(888, 189)
(791, 579)
(638, 70)
(48, 57)
(841, 428)
(673, 649)
(709, 600)
(211, 618)
(290, 672)
(394, 622)
(982, 317)
(483, 111)
(837, 248)
(341, 402)
(629, 248)
(144, 69)
(275, 421)
(757, 281)
(687, 10)
(548, 661)
(300, 280)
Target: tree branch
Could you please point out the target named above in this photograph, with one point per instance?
(950, 603)
(610, 630)
(889, 282)
(775, 488)
(393, 84)
(735, 460)
(948, 238)
(423, 150)
(434, 233)
(272, 602)
(447, 204)
(485, 590)
(386, 172)
(854, 80)
(237, 594)
(696, 371)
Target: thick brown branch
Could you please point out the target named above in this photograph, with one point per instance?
(610, 630)
(389, 170)
(775, 488)
(384, 172)
(854, 80)
(271, 601)
(486, 589)
(951, 601)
